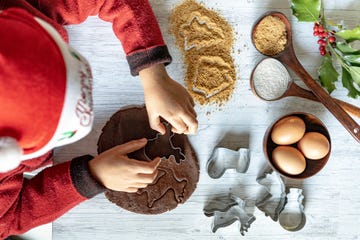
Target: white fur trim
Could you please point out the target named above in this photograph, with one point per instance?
(10, 153)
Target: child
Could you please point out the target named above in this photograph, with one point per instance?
(45, 99)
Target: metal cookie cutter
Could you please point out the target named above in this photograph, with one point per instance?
(227, 210)
(224, 158)
(292, 217)
(158, 144)
(273, 201)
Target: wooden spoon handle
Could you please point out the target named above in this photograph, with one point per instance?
(351, 109)
(297, 91)
(288, 57)
(350, 125)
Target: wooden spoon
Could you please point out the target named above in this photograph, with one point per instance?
(294, 90)
(288, 57)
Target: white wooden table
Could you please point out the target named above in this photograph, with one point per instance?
(332, 197)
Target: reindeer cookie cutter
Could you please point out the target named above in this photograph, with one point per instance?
(159, 139)
(227, 210)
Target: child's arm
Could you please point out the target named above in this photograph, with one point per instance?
(166, 98)
(136, 26)
(133, 22)
(25, 204)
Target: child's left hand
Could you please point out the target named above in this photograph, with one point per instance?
(166, 98)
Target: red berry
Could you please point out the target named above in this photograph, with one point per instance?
(316, 33)
(323, 34)
(332, 39)
(321, 42)
(321, 29)
(322, 48)
(323, 53)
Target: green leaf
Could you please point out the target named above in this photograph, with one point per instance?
(348, 83)
(345, 48)
(352, 59)
(355, 74)
(349, 35)
(327, 73)
(306, 10)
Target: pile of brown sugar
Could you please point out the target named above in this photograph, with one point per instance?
(270, 35)
(205, 39)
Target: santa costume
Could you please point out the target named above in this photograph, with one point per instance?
(45, 100)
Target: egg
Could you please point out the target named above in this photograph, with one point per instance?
(314, 145)
(288, 130)
(289, 160)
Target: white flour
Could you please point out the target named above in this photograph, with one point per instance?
(271, 79)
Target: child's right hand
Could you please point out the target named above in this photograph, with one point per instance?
(116, 171)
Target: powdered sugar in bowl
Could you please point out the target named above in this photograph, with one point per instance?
(270, 80)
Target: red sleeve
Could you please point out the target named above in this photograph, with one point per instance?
(25, 204)
(133, 23)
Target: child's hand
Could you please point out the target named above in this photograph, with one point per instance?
(166, 98)
(116, 171)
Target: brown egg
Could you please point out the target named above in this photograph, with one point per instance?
(314, 145)
(288, 130)
(289, 160)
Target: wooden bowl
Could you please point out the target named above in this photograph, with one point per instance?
(313, 124)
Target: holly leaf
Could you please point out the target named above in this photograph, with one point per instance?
(345, 48)
(355, 74)
(352, 59)
(348, 83)
(306, 10)
(349, 35)
(327, 73)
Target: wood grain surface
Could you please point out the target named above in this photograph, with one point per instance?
(332, 197)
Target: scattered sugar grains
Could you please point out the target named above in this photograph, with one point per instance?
(270, 35)
(205, 40)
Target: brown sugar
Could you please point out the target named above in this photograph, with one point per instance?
(205, 39)
(270, 36)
